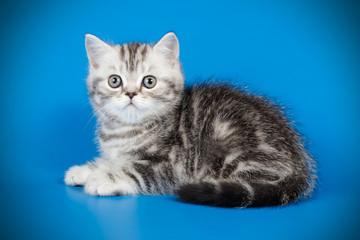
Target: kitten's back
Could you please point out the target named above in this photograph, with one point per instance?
(246, 144)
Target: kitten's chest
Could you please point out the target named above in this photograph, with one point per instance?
(134, 141)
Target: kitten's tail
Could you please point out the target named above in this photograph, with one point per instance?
(239, 194)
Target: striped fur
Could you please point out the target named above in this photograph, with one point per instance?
(210, 144)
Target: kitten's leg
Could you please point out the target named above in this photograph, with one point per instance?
(78, 175)
(138, 177)
(106, 181)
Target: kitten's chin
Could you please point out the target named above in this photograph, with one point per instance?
(132, 114)
(131, 107)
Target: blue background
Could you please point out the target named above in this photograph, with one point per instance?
(306, 54)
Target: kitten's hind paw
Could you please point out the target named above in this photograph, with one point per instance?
(77, 175)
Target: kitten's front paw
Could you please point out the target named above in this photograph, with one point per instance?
(100, 184)
(77, 175)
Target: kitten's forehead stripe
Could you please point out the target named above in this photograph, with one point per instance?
(133, 54)
(144, 51)
(132, 48)
(122, 51)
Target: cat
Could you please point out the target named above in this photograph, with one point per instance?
(210, 144)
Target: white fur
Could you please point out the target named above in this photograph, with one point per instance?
(222, 129)
(96, 49)
(100, 184)
(278, 169)
(231, 157)
(169, 47)
(77, 175)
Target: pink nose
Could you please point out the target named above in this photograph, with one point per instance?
(130, 94)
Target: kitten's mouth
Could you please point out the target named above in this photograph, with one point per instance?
(131, 105)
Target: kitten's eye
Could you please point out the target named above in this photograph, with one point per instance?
(115, 81)
(149, 81)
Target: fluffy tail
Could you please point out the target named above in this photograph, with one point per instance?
(237, 194)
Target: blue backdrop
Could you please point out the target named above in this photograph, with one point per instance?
(306, 54)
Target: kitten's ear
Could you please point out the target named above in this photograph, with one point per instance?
(169, 47)
(96, 49)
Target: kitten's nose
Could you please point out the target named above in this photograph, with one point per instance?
(130, 94)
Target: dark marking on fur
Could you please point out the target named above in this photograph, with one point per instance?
(122, 52)
(147, 173)
(133, 177)
(128, 134)
(143, 52)
(111, 177)
(227, 194)
(132, 48)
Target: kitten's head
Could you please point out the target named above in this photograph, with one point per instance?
(134, 82)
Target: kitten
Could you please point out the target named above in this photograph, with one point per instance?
(210, 144)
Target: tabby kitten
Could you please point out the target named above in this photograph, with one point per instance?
(210, 144)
